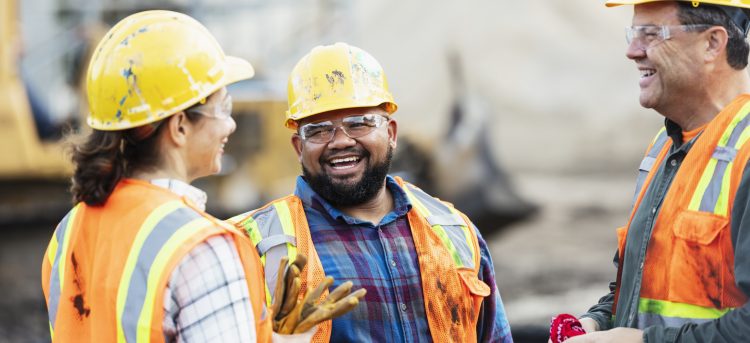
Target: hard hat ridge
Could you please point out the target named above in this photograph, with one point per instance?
(333, 77)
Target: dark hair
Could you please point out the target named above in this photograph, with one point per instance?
(737, 46)
(103, 158)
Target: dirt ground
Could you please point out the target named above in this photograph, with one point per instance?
(560, 261)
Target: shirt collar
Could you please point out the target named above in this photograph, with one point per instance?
(195, 195)
(674, 132)
(312, 200)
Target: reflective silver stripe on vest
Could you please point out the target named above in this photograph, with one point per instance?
(54, 288)
(134, 301)
(449, 219)
(648, 161)
(454, 229)
(724, 155)
(650, 319)
(273, 244)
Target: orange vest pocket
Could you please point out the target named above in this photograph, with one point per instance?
(697, 266)
(478, 290)
(699, 227)
(472, 282)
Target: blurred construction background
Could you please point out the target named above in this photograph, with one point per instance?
(522, 113)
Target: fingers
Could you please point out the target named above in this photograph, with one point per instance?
(290, 298)
(308, 305)
(347, 304)
(300, 261)
(322, 312)
(311, 297)
(278, 291)
(294, 316)
(341, 291)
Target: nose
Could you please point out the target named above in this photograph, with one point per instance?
(232, 125)
(341, 139)
(635, 51)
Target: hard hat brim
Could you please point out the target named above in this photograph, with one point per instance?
(238, 69)
(625, 2)
(738, 4)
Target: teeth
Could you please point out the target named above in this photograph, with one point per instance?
(647, 72)
(344, 160)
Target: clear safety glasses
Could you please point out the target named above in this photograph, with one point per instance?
(354, 127)
(221, 110)
(648, 36)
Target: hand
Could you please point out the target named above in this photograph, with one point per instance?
(297, 316)
(589, 324)
(616, 335)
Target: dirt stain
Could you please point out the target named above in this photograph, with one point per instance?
(440, 286)
(336, 77)
(79, 304)
(78, 301)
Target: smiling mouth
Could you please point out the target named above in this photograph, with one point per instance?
(344, 162)
(647, 72)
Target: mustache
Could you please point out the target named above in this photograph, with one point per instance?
(356, 150)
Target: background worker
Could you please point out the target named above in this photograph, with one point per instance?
(684, 257)
(426, 269)
(137, 258)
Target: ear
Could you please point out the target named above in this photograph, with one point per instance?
(716, 43)
(297, 144)
(392, 133)
(178, 129)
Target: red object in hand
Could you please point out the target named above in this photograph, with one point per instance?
(564, 326)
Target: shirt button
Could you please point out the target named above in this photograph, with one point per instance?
(641, 265)
(673, 163)
(393, 263)
(403, 307)
(653, 210)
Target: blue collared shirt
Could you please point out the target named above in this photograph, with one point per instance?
(382, 259)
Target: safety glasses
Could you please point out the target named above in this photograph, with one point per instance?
(353, 126)
(648, 36)
(216, 110)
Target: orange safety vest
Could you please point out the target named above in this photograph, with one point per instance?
(106, 268)
(446, 245)
(688, 272)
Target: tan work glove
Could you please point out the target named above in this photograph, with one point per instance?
(292, 316)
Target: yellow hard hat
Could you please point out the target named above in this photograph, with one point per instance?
(154, 64)
(730, 3)
(333, 77)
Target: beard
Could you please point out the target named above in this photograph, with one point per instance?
(351, 194)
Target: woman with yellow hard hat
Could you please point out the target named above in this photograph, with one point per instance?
(137, 258)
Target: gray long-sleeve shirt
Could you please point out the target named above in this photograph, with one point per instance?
(732, 327)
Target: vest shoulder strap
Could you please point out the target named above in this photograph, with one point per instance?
(455, 232)
(657, 144)
(714, 188)
(272, 231)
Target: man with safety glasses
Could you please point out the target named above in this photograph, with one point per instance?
(426, 269)
(683, 260)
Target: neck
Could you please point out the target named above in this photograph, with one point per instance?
(374, 209)
(169, 168)
(714, 95)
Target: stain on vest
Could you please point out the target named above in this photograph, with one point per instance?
(78, 301)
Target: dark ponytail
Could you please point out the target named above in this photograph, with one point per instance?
(99, 165)
(103, 158)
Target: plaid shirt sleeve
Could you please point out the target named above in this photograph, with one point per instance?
(207, 297)
(493, 324)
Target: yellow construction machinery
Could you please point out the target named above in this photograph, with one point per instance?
(35, 172)
(259, 162)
